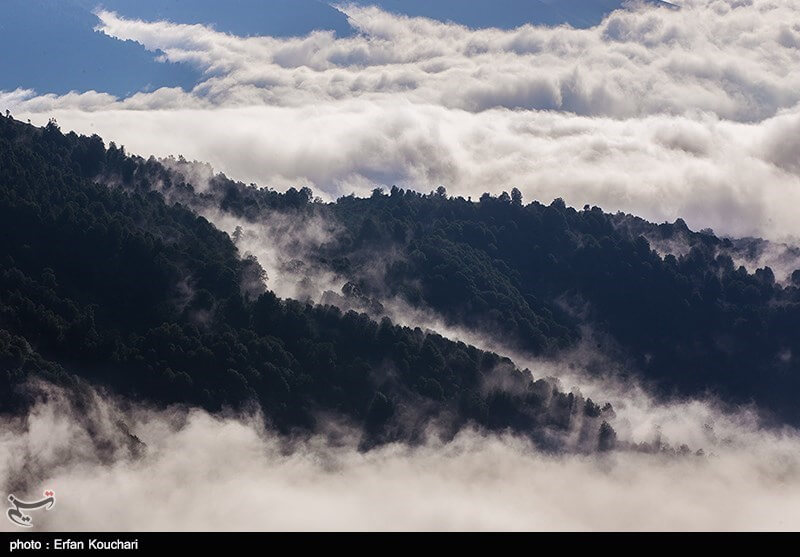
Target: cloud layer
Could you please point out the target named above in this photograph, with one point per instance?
(200, 472)
(690, 113)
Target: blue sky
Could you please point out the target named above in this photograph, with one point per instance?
(54, 48)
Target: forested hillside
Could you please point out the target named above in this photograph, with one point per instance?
(114, 286)
(539, 277)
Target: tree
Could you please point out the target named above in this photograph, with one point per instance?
(607, 439)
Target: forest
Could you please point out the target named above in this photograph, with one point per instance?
(111, 275)
(542, 278)
(112, 286)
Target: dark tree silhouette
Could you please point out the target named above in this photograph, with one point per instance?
(113, 286)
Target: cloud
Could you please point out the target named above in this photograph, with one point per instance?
(199, 472)
(690, 113)
(728, 62)
(735, 178)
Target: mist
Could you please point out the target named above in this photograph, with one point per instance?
(200, 472)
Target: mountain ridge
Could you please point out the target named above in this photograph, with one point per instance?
(115, 287)
(693, 321)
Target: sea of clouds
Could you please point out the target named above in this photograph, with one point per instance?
(693, 113)
(200, 472)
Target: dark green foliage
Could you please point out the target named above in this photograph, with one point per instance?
(113, 285)
(533, 275)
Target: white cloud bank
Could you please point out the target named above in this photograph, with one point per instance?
(205, 473)
(691, 113)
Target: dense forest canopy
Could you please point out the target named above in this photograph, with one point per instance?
(116, 287)
(539, 276)
(195, 324)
